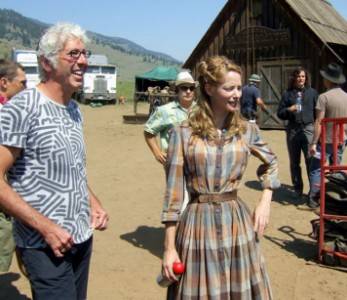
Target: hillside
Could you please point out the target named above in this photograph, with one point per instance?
(19, 31)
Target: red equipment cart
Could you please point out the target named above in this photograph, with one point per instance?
(337, 125)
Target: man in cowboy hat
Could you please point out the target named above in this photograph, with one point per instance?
(331, 104)
(251, 98)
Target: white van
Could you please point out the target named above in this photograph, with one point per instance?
(28, 59)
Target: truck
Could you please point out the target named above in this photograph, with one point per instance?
(28, 59)
(100, 81)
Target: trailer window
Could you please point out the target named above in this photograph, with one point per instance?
(93, 69)
(30, 70)
(108, 70)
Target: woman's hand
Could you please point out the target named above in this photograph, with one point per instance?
(261, 213)
(170, 256)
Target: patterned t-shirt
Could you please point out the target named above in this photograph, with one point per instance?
(50, 173)
(164, 119)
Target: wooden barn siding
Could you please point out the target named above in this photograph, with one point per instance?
(304, 45)
(221, 33)
(307, 45)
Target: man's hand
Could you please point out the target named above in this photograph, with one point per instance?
(293, 108)
(312, 149)
(160, 157)
(57, 238)
(152, 143)
(99, 216)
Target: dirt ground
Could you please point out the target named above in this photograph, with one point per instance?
(130, 183)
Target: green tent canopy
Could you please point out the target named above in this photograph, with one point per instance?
(159, 76)
(160, 73)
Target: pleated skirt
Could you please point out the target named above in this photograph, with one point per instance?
(217, 243)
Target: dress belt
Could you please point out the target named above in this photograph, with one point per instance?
(213, 198)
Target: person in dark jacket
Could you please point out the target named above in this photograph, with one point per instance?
(297, 107)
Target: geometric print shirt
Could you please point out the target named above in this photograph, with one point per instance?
(164, 118)
(50, 173)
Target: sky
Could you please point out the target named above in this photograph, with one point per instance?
(173, 27)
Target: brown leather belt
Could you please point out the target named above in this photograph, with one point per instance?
(213, 198)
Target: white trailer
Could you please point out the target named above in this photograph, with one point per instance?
(28, 59)
(100, 81)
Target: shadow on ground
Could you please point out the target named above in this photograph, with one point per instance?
(283, 195)
(148, 238)
(7, 290)
(296, 243)
(152, 238)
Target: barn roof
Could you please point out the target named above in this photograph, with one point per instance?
(321, 17)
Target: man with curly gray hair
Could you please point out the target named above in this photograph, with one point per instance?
(43, 150)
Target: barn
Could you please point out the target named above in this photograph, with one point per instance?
(271, 38)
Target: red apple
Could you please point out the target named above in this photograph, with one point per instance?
(178, 268)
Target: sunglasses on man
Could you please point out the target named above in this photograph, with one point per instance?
(23, 83)
(186, 88)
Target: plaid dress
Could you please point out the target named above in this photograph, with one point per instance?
(216, 241)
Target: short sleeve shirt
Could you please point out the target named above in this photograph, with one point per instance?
(334, 105)
(164, 119)
(250, 93)
(50, 173)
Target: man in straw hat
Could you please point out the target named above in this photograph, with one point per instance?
(331, 104)
(165, 117)
(251, 98)
(169, 115)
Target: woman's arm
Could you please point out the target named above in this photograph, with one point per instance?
(268, 175)
(261, 215)
(173, 200)
(170, 252)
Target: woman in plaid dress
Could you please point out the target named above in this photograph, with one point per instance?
(216, 236)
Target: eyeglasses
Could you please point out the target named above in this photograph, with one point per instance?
(186, 88)
(75, 53)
